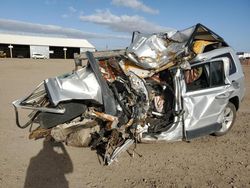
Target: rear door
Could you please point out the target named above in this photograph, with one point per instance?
(236, 75)
(208, 90)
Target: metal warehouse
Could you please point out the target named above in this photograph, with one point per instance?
(23, 46)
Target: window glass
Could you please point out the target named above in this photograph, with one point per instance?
(217, 73)
(232, 67)
(205, 76)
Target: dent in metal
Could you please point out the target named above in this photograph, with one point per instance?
(153, 51)
(204, 107)
(80, 85)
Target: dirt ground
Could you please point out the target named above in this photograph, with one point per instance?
(205, 162)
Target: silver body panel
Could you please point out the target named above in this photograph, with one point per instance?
(152, 51)
(80, 85)
(203, 107)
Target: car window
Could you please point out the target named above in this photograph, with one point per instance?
(205, 76)
(217, 74)
(232, 67)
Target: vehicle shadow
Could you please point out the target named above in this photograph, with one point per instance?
(49, 167)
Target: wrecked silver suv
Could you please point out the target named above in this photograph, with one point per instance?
(164, 87)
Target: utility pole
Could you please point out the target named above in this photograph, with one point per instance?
(65, 53)
(10, 47)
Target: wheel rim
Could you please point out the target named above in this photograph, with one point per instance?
(227, 119)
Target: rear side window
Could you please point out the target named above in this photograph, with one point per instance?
(217, 74)
(232, 67)
(205, 76)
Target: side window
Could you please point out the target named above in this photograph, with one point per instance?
(205, 76)
(217, 74)
(197, 78)
(232, 67)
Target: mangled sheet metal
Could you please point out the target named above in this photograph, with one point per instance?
(120, 98)
(80, 85)
(156, 50)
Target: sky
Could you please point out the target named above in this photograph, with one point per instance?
(108, 24)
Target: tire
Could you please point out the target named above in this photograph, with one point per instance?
(229, 116)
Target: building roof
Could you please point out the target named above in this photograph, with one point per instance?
(44, 41)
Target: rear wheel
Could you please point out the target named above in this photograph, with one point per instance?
(229, 116)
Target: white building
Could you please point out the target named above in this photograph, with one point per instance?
(50, 47)
(243, 55)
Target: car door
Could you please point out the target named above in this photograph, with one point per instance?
(207, 92)
(236, 75)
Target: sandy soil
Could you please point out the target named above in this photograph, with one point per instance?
(205, 162)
